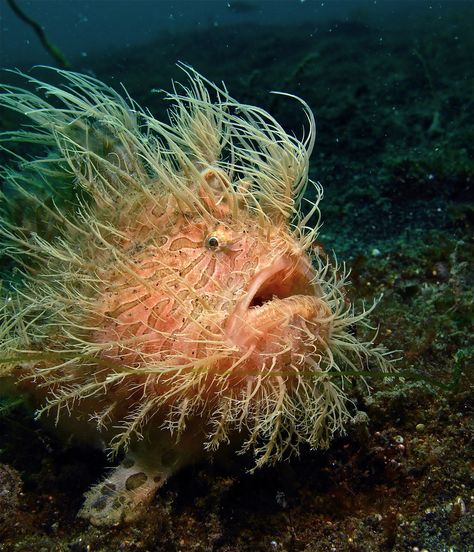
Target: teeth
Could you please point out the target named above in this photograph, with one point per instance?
(263, 303)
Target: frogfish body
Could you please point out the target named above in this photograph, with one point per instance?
(169, 298)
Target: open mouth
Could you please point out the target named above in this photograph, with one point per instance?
(274, 294)
(279, 281)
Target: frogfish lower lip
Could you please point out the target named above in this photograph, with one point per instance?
(276, 295)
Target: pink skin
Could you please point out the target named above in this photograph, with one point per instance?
(256, 284)
(188, 289)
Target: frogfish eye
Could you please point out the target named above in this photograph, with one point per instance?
(212, 243)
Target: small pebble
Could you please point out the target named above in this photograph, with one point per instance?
(458, 509)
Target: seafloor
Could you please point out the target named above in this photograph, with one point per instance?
(395, 153)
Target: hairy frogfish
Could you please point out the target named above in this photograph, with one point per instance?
(164, 296)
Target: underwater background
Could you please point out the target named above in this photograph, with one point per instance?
(391, 86)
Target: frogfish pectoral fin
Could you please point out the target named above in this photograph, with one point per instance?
(122, 496)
